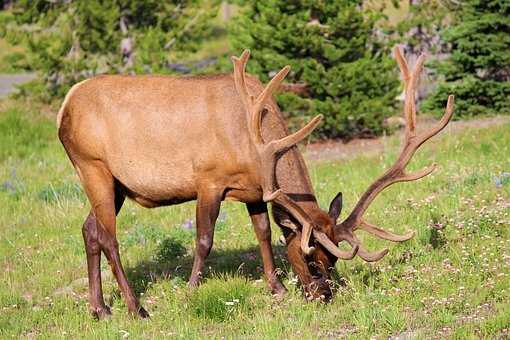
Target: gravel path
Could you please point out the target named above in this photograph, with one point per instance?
(338, 150)
(8, 82)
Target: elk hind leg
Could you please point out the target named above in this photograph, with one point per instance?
(106, 198)
(93, 250)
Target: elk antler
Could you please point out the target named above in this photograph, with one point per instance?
(395, 174)
(269, 151)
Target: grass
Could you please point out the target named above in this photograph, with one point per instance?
(449, 283)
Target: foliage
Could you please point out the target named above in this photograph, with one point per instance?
(332, 47)
(447, 283)
(473, 97)
(478, 70)
(72, 40)
(5, 19)
(12, 56)
(420, 27)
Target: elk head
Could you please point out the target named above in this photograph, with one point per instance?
(313, 235)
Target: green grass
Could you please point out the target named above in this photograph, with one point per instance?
(445, 283)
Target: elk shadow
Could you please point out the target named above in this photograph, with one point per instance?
(172, 261)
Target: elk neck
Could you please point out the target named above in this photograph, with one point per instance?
(291, 171)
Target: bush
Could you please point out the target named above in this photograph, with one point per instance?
(6, 18)
(73, 40)
(478, 69)
(332, 47)
(473, 97)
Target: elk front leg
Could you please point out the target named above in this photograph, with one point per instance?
(260, 219)
(208, 208)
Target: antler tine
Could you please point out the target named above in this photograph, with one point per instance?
(397, 172)
(410, 102)
(333, 248)
(372, 256)
(364, 254)
(246, 98)
(402, 63)
(283, 144)
(239, 72)
(410, 82)
(426, 135)
(272, 86)
(385, 235)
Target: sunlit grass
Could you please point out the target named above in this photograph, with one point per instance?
(452, 282)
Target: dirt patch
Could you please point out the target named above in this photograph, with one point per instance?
(339, 150)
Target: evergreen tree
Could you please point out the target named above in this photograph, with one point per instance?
(478, 69)
(332, 47)
(73, 40)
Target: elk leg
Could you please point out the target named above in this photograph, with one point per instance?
(104, 197)
(260, 219)
(208, 208)
(93, 250)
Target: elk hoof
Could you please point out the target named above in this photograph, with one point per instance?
(278, 290)
(194, 283)
(142, 313)
(101, 313)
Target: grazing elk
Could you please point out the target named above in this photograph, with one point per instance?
(166, 140)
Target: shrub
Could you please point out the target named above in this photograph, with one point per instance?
(73, 40)
(478, 69)
(473, 97)
(6, 18)
(332, 47)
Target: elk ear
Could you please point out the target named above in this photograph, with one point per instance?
(335, 207)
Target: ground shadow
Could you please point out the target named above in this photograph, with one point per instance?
(437, 238)
(172, 261)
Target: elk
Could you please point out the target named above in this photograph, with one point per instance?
(163, 140)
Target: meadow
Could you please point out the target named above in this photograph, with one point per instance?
(451, 281)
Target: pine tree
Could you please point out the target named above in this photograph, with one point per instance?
(332, 47)
(73, 40)
(478, 69)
